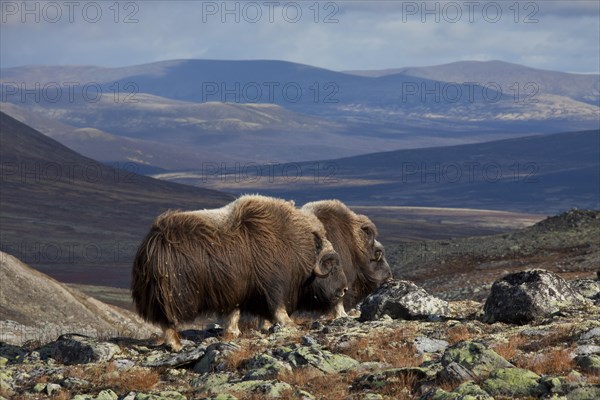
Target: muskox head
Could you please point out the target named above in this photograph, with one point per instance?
(354, 237)
(375, 267)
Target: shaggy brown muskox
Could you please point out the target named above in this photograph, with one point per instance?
(354, 239)
(255, 253)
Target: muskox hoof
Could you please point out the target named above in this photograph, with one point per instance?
(231, 328)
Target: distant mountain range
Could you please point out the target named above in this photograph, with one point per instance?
(74, 218)
(178, 114)
(541, 174)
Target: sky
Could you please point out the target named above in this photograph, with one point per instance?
(338, 35)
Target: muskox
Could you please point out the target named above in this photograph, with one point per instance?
(354, 238)
(257, 254)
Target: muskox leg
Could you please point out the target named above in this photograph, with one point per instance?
(339, 310)
(231, 324)
(171, 337)
(282, 317)
(264, 324)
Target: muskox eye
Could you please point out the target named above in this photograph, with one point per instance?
(318, 243)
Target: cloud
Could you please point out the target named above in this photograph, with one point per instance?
(557, 35)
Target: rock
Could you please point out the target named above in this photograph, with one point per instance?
(215, 358)
(402, 300)
(210, 382)
(585, 393)
(185, 357)
(320, 359)
(513, 382)
(475, 358)
(165, 395)
(586, 349)
(588, 363)
(6, 379)
(74, 383)
(424, 345)
(217, 384)
(78, 349)
(591, 334)
(529, 296)
(588, 288)
(107, 395)
(264, 367)
(466, 391)
(454, 372)
(308, 340)
(11, 352)
(392, 376)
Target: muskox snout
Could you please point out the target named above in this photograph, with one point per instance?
(327, 263)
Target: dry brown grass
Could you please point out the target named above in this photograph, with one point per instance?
(510, 349)
(592, 377)
(402, 388)
(457, 334)
(448, 385)
(556, 361)
(322, 386)
(237, 359)
(563, 335)
(391, 347)
(62, 395)
(106, 376)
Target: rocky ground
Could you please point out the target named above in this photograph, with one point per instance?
(532, 334)
(404, 344)
(465, 268)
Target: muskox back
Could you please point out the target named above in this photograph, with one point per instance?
(354, 239)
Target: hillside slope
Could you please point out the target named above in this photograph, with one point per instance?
(74, 218)
(35, 306)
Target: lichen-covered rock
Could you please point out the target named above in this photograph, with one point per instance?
(264, 367)
(591, 392)
(210, 382)
(389, 376)
(220, 384)
(529, 296)
(592, 334)
(185, 357)
(473, 360)
(78, 349)
(588, 363)
(11, 352)
(320, 359)
(402, 300)
(107, 395)
(465, 391)
(423, 344)
(514, 382)
(588, 288)
(165, 395)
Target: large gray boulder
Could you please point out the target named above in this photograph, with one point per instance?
(402, 300)
(529, 296)
(72, 349)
